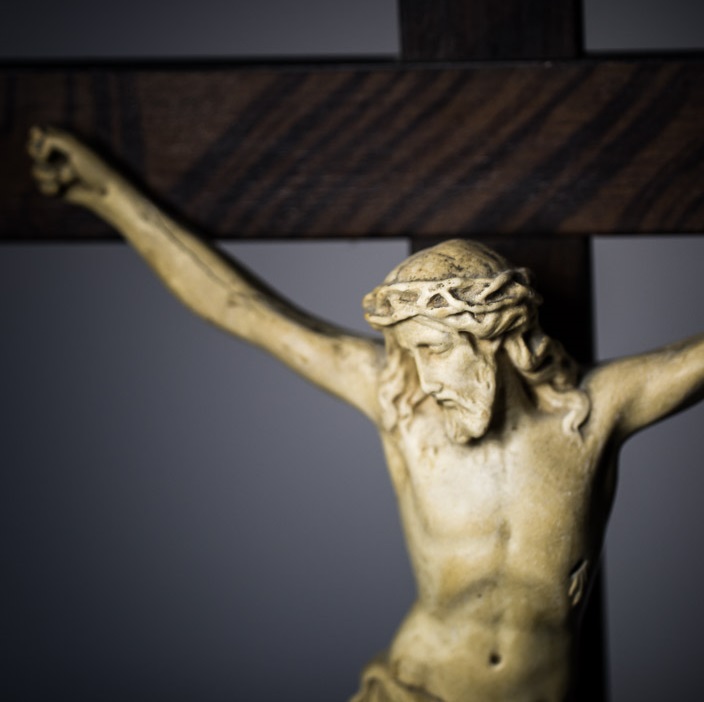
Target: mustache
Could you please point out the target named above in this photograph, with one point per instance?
(469, 404)
(482, 392)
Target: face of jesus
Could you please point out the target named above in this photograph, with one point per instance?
(457, 370)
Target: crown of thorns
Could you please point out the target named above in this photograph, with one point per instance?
(394, 302)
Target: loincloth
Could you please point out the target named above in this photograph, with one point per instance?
(379, 685)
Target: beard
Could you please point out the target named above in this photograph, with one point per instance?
(468, 410)
(467, 405)
(464, 420)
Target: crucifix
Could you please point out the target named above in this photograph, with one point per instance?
(579, 114)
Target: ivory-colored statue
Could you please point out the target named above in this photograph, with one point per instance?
(501, 451)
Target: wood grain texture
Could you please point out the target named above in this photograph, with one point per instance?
(465, 30)
(388, 150)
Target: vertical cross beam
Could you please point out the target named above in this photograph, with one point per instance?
(472, 30)
(463, 30)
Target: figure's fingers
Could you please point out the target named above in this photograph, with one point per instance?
(60, 179)
(41, 172)
(48, 187)
(36, 135)
(37, 143)
(47, 178)
(44, 141)
(61, 170)
(66, 172)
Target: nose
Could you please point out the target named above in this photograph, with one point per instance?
(430, 388)
(429, 384)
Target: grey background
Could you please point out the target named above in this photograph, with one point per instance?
(182, 519)
(206, 28)
(185, 519)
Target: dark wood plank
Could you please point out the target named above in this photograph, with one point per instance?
(465, 30)
(290, 151)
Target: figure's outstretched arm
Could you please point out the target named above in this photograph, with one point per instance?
(212, 285)
(639, 390)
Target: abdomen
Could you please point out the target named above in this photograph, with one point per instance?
(461, 657)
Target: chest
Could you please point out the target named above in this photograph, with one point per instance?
(531, 477)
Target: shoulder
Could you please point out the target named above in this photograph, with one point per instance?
(607, 392)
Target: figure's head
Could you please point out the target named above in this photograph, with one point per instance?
(446, 313)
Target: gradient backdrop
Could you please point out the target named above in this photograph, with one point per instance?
(182, 519)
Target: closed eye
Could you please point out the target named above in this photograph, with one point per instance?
(435, 349)
(470, 338)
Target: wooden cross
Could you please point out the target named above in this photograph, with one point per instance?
(493, 127)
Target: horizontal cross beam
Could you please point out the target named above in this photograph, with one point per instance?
(425, 150)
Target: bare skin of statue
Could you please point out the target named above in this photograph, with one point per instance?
(501, 451)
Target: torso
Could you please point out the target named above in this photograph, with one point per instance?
(504, 534)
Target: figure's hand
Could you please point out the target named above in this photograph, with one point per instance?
(65, 167)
